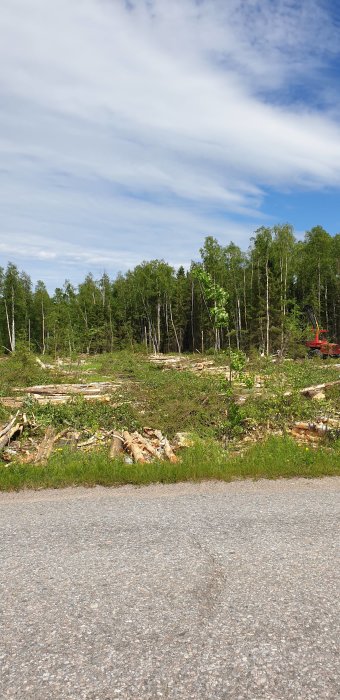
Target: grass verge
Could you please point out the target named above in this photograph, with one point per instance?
(277, 457)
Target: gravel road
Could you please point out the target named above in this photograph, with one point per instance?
(210, 591)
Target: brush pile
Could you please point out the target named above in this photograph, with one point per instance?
(22, 440)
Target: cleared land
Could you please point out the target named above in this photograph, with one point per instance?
(120, 418)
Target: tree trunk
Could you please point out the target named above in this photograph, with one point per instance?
(192, 316)
(267, 308)
(9, 328)
(319, 289)
(259, 295)
(245, 299)
(43, 328)
(174, 329)
(158, 326)
(239, 319)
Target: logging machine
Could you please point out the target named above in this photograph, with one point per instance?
(319, 346)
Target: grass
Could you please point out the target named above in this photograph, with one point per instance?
(175, 401)
(277, 457)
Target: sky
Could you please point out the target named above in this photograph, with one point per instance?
(132, 129)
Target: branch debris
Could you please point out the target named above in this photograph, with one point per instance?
(34, 448)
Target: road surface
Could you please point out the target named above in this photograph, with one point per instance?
(210, 591)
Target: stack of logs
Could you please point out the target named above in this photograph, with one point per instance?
(180, 362)
(61, 393)
(134, 447)
(143, 448)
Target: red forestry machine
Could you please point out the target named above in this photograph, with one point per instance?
(319, 346)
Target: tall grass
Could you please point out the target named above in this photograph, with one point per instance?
(276, 458)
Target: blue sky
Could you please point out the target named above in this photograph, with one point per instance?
(130, 131)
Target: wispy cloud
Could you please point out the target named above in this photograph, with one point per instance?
(130, 130)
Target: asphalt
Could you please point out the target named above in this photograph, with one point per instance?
(211, 591)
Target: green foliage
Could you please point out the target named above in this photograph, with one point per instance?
(215, 293)
(92, 415)
(238, 360)
(275, 458)
(175, 401)
(248, 299)
(21, 369)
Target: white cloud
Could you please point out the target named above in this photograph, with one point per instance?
(150, 127)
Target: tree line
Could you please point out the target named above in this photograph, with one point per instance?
(166, 310)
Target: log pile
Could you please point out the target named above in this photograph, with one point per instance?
(206, 367)
(316, 392)
(313, 432)
(167, 361)
(12, 429)
(32, 447)
(181, 363)
(151, 445)
(61, 393)
(45, 448)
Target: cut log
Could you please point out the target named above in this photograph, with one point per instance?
(304, 435)
(117, 446)
(312, 390)
(7, 427)
(92, 388)
(14, 430)
(44, 399)
(168, 451)
(152, 433)
(146, 445)
(132, 447)
(320, 428)
(46, 446)
(11, 402)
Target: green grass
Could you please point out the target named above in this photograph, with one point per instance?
(275, 458)
(297, 374)
(170, 401)
(175, 401)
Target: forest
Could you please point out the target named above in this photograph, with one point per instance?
(167, 310)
